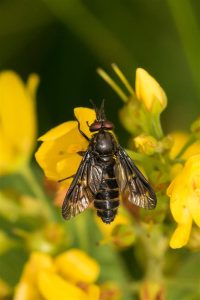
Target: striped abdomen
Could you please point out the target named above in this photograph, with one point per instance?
(107, 199)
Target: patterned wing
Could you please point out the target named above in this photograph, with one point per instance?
(83, 188)
(132, 183)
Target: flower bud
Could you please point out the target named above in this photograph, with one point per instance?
(146, 144)
(149, 92)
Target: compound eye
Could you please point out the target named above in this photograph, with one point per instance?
(95, 126)
(108, 125)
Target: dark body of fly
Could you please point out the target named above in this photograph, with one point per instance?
(106, 174)
(106, 200)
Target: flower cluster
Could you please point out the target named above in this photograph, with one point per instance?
(170, 162)
(71, 274)
(179, 150)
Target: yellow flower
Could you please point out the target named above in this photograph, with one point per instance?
(17, 120)
(58, 155)
(49, 279)
(149, 92)
(184, 193)
(179, 140)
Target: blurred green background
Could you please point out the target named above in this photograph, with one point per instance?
(64, 41)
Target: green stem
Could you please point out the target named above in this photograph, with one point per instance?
(27, 173)
(155, 245)
(157, 128)
(190, 141)
(81, 229)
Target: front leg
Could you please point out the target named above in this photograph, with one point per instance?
(82, 133)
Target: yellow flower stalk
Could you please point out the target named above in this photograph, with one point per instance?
(149, 92)
(184, 193)
(17, 121)
(58, 155)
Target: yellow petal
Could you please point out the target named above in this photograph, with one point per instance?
(179, 139)
(53, 287)
(93, 292)
(174, 171)
(58, 131)
(26, 291)
(8, 159)
(192, 150)
(68, 167)
(47, 157)
(149, 92)
(32, 85)
(77, 266)
(178, 193)
(85, 115)
(194, 206)
(181, 235)
(52, 152)
(18, 120)
(37, 262)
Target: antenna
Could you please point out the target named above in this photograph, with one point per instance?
(102, 112)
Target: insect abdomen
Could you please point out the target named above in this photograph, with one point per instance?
(107, 199)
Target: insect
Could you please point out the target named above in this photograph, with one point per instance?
(105, 174)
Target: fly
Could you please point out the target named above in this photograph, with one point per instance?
(105, 174)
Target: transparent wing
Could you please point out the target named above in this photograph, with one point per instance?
(132, 183)
(84, 185)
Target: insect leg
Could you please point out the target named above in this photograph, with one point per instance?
(81, 153)
(82, 133)
(66, 178)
